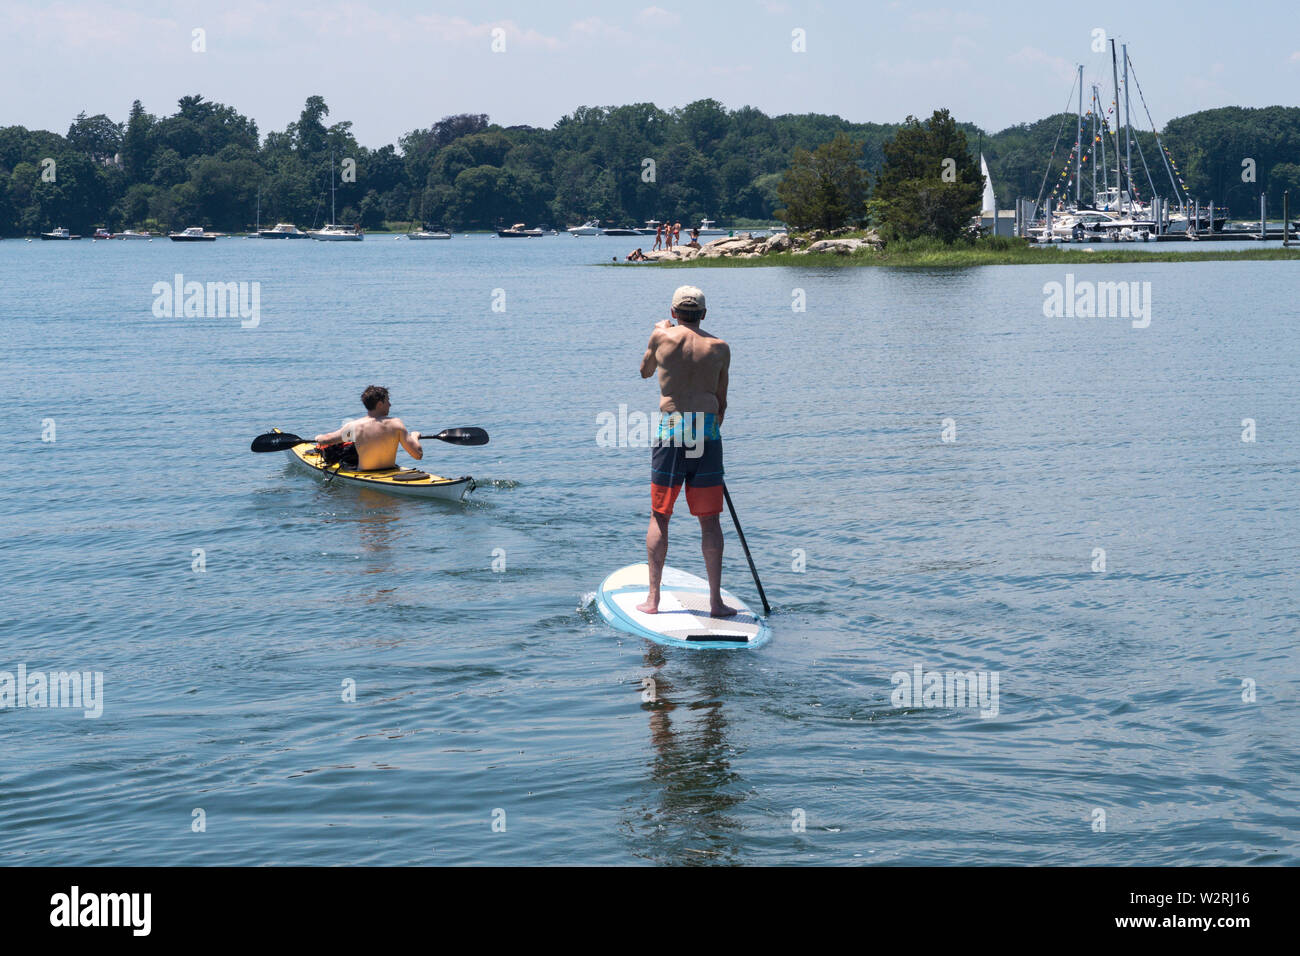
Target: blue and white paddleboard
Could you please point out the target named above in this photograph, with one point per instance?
(683, 619)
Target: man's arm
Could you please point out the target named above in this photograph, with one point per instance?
(333, 438)
(648, 361)
(723, 381)
(410, 440)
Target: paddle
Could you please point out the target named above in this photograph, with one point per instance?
(282, 441)
(752, 570)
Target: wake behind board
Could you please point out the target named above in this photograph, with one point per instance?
(683, 619)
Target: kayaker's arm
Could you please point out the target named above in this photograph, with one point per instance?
(333, 438)
(410, 441)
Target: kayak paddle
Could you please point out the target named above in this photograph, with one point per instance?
(282, 441)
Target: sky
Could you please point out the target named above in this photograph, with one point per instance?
(394, 67)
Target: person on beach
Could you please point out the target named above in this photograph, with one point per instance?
(376, 436)
(677, 233)
(636, 255)
(693, 370)
(695, 239)
(659, 237)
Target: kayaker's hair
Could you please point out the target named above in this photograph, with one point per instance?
(373, 395)
(682, 315)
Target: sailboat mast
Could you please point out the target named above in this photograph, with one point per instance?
(1128, 129)
(1078, 144)
(1093, 110)
(332, 217)
(1119, 172)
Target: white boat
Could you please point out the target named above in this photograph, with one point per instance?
(336, 233)
(132, 234)
(707, 228)
(193, 234)
(650, 228)
(333, 232)
(589, 228)
(282, 230)
(60, 233)
(424, 234)
(519, 231)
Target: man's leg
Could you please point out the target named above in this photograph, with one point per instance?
(656, 550)
(711, 545)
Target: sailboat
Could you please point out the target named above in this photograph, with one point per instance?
(333, 232)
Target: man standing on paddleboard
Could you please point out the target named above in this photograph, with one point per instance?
(687, 449)
(376, 435)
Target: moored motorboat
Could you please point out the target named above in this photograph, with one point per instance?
(102, 233)
(282, 230)
(589, 228)
(619, 231)
(193, 234)
(132, 234)
(59, 233)
(427, 234)
(519, 231)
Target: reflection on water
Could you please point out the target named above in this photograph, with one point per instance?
(692, 786)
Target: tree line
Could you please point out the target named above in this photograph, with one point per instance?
(207, 164)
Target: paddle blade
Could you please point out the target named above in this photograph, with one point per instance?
(461, 436)
(275, 441)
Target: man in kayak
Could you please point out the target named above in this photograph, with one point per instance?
(693, 367)
(376, 435)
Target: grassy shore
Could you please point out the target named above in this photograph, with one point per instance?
(1004, 253)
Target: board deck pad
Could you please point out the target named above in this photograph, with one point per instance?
(683, 619)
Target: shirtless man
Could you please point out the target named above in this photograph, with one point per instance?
(692, 366)
(376, 436)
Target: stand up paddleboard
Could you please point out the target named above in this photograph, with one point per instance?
(683, 619)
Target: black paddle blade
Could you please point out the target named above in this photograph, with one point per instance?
(461, 436)
(276, 441)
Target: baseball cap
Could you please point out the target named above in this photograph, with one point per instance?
(688, 299)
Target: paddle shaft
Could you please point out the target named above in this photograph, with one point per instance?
(752, 570)
(283, 441)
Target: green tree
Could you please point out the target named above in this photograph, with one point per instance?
(825, 188)
(929, 185)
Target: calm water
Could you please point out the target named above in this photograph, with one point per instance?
(480, 692)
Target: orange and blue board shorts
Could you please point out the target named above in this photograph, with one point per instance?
(687, 450)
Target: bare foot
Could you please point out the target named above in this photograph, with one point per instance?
(721, 610)
(652, 607)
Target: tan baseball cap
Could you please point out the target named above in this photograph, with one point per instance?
(688, 299)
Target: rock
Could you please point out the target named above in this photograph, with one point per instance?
(839, 247)
(778, 243)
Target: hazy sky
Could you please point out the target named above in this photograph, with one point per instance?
(390, 67)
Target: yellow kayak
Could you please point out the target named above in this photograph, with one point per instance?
(398, 481)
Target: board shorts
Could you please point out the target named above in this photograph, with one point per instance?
(687, 450)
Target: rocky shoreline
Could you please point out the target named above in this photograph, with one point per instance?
(746, 246)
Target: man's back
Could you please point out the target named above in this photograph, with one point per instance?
(692, 369)
(377, 440)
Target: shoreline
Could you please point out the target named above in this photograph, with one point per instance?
(969, 257)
